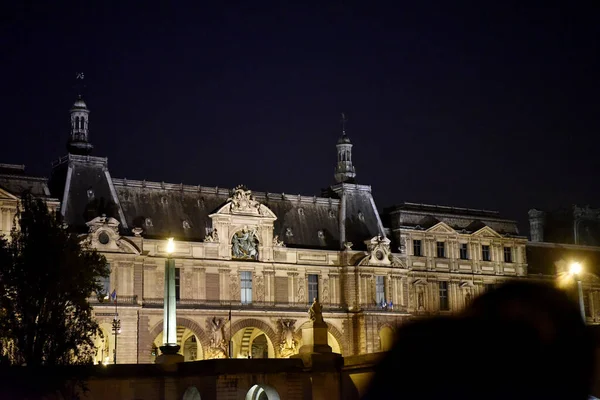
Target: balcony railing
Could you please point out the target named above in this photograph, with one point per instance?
(236, 305)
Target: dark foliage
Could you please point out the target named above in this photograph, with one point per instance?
(46, 277)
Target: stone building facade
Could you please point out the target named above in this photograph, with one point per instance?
(248, 264)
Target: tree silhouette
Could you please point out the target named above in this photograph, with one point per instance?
(46, 277)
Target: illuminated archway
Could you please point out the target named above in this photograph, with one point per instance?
(252, 342)
(262, 392)
(190, 346)
(104, 345)
(191, 393)
(386, 338)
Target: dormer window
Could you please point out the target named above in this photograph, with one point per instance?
(186, 225)
(90, 194)
(301, 212)
(148, 222)
(288, 232)
(321, 234)
(361, 216)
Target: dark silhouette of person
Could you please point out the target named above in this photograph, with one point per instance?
(519, 341)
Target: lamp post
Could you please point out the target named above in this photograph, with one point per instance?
(575, 269)
(170, 348)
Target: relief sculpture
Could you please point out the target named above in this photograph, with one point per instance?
(234, 287)
(245, 244)
(217, 346)
(288, 344)
(260, 288)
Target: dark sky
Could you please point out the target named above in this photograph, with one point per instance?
(472, 104)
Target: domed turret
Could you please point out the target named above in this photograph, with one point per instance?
(344, 170)
(79, 139)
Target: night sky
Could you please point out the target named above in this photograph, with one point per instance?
(469, 105)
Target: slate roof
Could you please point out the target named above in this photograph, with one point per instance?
(161, 209)
(15, 180)
(89, 193)
(410, 215)
(542, 257)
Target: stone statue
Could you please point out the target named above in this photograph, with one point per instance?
(315, 312)
(277, 242)
(244, 244)
(348, 246)
(217, 332)
(243, 201)
(288, 344)
(213, 236)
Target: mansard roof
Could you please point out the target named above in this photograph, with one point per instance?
(14, 180)
(183, 211)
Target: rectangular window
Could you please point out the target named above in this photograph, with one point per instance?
(177, 284)
(417, 248)
(246, 287)
(464, 251)
(444, 304)
(313, 287)
(380, 290)
(586, 304)
(441, 249)
(508, 254)
(485, 253)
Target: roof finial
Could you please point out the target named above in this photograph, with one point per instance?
(343, 121)
(79, 86)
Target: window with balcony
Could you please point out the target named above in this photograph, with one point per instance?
(313, 287)
(246, 287)
(441, 249)
(508, 254)
(380, 289)
(444, 303)
(485, 253)
(464, 251)
(417, 248)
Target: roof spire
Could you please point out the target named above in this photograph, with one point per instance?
(79, 138)
(344, 170)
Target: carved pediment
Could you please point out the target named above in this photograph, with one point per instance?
(103, 222)
(486, 231)
(242, 202)
(378, 251)
(441, 227)
(4, 195)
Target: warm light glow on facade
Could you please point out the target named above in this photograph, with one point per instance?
(170, 245)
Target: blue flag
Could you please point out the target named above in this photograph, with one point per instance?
(114, 295)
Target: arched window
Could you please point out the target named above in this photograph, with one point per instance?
(191, 393)
(262, 392)
(81, 122)
(76, 123)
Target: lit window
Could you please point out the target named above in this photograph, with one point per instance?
(464, 251)
(485, 253)
(380, 289)
(105, 285)
(417, 248)
(246, 287)
(508, 254)
(313, 287)
(444, 304)
(441, 249)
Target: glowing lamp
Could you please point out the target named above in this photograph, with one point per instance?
(170, 245)
(575, 268)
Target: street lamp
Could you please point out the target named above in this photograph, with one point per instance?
(575, 269)
(170, 346)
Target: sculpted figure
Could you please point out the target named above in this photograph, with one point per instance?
(315, 312)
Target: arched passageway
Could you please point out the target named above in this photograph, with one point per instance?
(251, 342)
(190, 346)
(262, 392)
(386, 338)
(191, 393)
(104, 346)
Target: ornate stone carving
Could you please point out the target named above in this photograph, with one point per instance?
(325, 290)
(260, 288)
(212, 236)
(288, 345)
(348, 246)
(315, 312)
(378, 251)
(245, 244)
(137, 232)
(217, 346)
(242, 201)
(234, 287)
(301, 298)
(105, 222)
(277, 242)
(187, 284)
(402, 247)
(160, 281)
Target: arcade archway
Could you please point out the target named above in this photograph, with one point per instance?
(262, 392)
(386, 338)
(190, 346)
(252, 342)
(104, 345)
